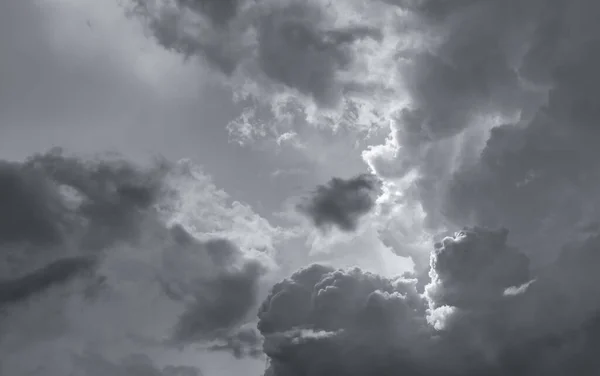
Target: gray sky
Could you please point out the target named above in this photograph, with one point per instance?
(348, 134)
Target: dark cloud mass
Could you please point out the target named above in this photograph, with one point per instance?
(499, 131)
(341, 202)
(350, 322)
(52, 197)
(60, 271)
(68, 229)
(526, 71)
(291, 43)
(493, 110)
(219, 11)
(221, 304)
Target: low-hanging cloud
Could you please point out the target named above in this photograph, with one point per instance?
(341, 202)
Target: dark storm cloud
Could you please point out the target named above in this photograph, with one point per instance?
(341, 202)
(218, 11)
(296, 45)
(540, 177)
(470, 71)
(223, 301)
(295, 51)
(52, 197)
(57, 272)
(64, 215)
(475, 264)
(349, 322)
(491, 308)
(535, 174)
(32, 211)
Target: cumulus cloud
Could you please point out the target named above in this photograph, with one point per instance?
(440, 76)
(497, 130)
(341, 202)
(491, 109)
(322, 320)
(497, 126)
(110, 254)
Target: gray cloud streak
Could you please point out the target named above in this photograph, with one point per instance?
(57, 272)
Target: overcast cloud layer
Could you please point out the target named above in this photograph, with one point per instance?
(425, 171)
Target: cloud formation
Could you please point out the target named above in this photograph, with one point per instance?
(509, 143)
(341, 202)
(107, 251)
(57, 272)
(292, 43)
(491, 107)
(349, 322)
(289, 60)
(224, 300)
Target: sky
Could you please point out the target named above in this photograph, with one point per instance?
(299, 187)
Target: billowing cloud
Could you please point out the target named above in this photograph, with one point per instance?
(320, 319)
(349, 322)
(341, 202)
(497, 128)
(490, 108)
(294, 44)
(295, 61)
(110, 253)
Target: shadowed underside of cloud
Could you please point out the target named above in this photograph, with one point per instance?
(95, 242)
(341, 202)
(323, 321)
